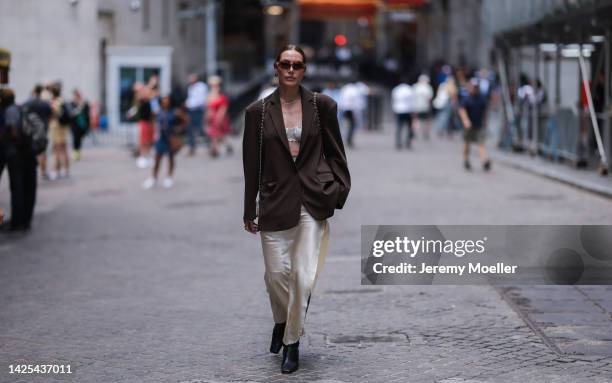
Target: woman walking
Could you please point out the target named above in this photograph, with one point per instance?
(171, 124)
(294, 158)
(217, 119)
(146, 126)
(58, 133)
(79, 111)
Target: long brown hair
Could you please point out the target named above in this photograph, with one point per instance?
(291, 47)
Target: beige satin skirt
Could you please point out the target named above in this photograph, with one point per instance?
(294, 259)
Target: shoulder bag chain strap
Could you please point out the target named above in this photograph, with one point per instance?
(316, 108)
(261, 127)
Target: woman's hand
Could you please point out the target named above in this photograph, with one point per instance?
(251, 226)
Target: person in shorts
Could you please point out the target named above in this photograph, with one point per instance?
(171, 124)
(472, 111)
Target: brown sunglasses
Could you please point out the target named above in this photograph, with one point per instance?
(286, 65)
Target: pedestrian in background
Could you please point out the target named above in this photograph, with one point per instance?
(301, 175)
(362, 105)
(10, 124)
(269, 88)
(423, 93)
(196, 104)
(402, 100)
(145, 124)
(171, 124)
(217, 118)
(59, 128)
(46, 97)
(473, 115)
(446, 101)
(350, 103)
(79, 113)
(2, 149)
(331, 90)
(526, 99)
(36, 114)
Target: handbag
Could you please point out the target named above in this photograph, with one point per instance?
(176, 143)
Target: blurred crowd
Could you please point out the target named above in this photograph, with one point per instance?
(45, 120)
(442, 102)
(198, 114)
(47, 123)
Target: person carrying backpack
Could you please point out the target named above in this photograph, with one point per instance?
(17, 156)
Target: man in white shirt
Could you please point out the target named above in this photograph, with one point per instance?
(350, 103)
(196, 105)
(402, 104)
(364, 91)
(423, 93)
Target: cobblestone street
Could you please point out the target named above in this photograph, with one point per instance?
(164, 285)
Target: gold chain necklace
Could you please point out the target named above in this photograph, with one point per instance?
(289, 102)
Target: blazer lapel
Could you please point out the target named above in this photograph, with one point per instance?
(307, 118)
(276, 114)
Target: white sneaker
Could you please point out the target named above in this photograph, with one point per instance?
(52, 176)
(142, 162)
(168, 183)
(149, 183)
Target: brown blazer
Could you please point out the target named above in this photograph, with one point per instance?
(319, 179)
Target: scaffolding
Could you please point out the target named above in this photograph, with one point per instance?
(556, 30)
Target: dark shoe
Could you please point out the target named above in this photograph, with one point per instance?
(487, 165)
(291, 356)
(277, 338)
(466, 165)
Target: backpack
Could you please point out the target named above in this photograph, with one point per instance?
(34, 130)
(64, 117)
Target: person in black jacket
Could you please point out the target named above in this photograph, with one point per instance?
(293, 156)
(79, 124)
(17, 155)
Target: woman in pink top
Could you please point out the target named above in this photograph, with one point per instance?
(217, 119)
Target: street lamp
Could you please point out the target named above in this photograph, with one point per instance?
(275, 10)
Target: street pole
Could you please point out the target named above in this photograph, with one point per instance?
(585, 80)
(536, 108)
(607, 107)
(211, 38)
(294, 28)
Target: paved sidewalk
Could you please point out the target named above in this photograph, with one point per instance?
(129, 285)
(586, 179)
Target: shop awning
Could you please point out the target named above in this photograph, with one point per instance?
(403, 4)
(337, 9)
(351, 9)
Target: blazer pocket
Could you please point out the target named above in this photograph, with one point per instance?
(325, 177)
(267, 187)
